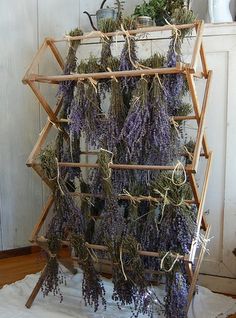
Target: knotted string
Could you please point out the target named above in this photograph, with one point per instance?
(176, 31)
(54, 125)
(172, 265)
(179, 167)
(190, 155)
(108, 164)
(121, 262)
(112, 77)
(94, 83)
(176, 125)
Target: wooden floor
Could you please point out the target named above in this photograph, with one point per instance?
(16, 268)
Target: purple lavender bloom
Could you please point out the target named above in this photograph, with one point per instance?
(177, 230)
(176, 295)
(135, 129)
(158, 141)
(128, 59)
(173, 83)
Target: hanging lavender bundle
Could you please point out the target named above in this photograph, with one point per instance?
(174, 83)
(128, 57)
(130, 287)
(176, 232)
(150, 237)
(66, 88)
(92, 286)
(48, 163)
(158, 142)
(115, 118)
(86, 115)
(76, 115)
(122, 248)
(67, 217)
(106, 26)
(137, 122)
(54, 277)
(177, 288)
(177, 229)
(177, 219)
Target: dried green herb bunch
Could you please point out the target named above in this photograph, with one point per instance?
(155, 61)
(183, 16)
(91, 65)
(75, 43)
(129, 23)
(106, 26)
(172, 187)
(188, 150)
(48, 163)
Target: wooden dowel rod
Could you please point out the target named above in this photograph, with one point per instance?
(200, 134)
(105, 248)
(120, 166)
(125, 197)
(101, 75)
(180, 118)
(203, 57)
(201, 205)
(56, 53)
(198, 42)
(38, 170)
(35, 61)
(204, 190)
(95, 153)
(98, 34)
(196, 106)
(194, 188)
(42, 218)
(109, 263)
(42, 101)
(176, 118)
(43, 135)
(203, 60)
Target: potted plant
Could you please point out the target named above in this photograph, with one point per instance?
(159, 10)
(144, 14)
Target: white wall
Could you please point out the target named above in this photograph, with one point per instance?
(23, 25)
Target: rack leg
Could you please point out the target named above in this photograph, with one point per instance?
(36, 288)
(197, 270)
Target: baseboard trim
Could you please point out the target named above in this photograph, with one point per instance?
(216, 284)
(19, 251)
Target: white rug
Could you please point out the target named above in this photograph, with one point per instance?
(13, 297)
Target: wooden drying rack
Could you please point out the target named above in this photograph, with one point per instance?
(190, 71)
